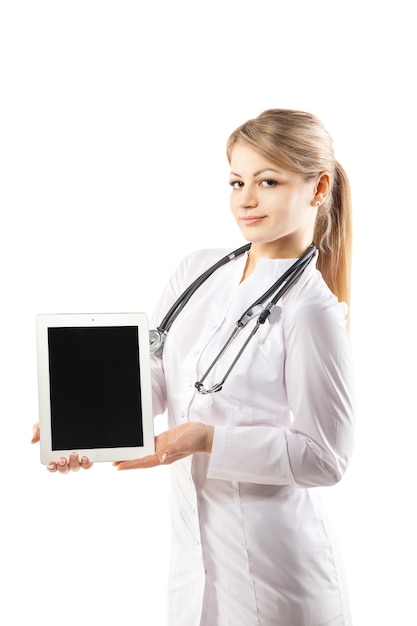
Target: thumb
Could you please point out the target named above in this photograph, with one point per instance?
(171, 454)
(35, 433)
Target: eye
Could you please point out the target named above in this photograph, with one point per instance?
(268, 182)
(236, 184)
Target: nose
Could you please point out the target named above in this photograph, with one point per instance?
(247, 197)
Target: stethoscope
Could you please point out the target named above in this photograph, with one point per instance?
(270, 312)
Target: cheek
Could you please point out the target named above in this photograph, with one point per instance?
(233, 203)
(297, 203)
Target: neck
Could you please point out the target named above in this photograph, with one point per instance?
(258, 251)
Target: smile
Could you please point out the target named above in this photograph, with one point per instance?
(249, 220)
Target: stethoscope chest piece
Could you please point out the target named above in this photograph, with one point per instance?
(275, 314)
(156, 342)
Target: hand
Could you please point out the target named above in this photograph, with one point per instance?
(174, 444)
(63, 465)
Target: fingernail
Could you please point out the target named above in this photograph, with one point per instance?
(62, 461)
(163, 457)
(51, 466)
(73, 456)
(84, 460)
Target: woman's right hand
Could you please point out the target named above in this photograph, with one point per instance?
(63, 465)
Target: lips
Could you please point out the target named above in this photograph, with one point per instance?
(250, 220)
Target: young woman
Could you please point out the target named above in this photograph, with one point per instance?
(250, 437)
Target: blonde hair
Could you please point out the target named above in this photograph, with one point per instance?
(298, 142)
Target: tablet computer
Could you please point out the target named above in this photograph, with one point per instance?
(94, 386)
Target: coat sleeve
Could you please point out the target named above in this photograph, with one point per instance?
(159, 391)
(316, 449)
(174, 287)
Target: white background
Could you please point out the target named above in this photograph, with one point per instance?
(113, 122)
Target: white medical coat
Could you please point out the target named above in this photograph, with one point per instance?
(251, 545)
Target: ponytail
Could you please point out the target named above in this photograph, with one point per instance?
(333, 236)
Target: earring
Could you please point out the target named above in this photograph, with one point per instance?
(317, 203)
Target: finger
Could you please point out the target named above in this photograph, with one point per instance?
(62, 465)
(152, 460)
(85, 463)
(74, 462)
(35, 433)
(64, 468)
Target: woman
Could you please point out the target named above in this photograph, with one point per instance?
(251, 544)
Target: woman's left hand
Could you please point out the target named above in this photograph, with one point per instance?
(174, 444)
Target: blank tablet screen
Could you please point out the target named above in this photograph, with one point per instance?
(95, 393)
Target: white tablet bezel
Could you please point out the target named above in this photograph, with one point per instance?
(139, 320)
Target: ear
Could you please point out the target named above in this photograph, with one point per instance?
(322, 189)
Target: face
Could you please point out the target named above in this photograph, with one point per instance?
(275, 209)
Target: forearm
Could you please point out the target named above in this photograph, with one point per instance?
(274, 456)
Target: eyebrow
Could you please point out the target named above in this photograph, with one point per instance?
(258, 172)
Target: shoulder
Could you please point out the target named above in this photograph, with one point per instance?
(206, 255)
(195, 263)
(312, 304)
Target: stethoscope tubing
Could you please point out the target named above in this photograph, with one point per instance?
(279, 288)
(282, 284)
(285, 281)
(180, 303)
